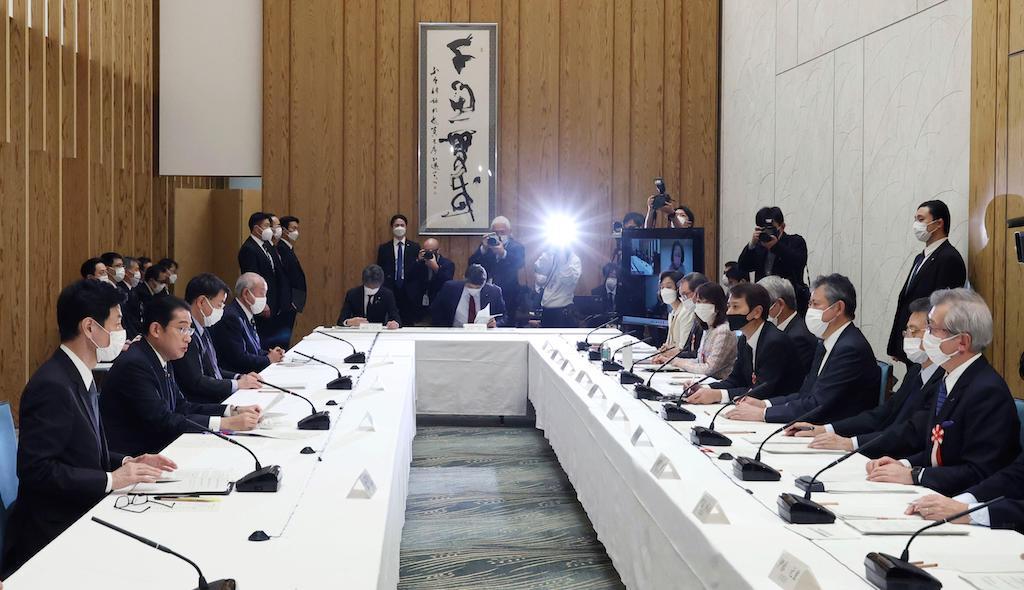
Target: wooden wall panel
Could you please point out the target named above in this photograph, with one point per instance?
(596, 98)
(76, 135)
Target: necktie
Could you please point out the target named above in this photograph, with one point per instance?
(211, 355)
(940, 397)
(266, 248)
(93, 403)
(913, 271)
(472, 309)
(819, 357)
(400, 265)
(769, 263)
(172, 387)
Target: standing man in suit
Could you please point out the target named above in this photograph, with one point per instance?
(502, 256)
(939, 266)
(604, 294)
(971, 429)
(765, 358)
(276, 330)
(64, 464)
(431, 272)
(397, 257)
(459, 301)
(198, 373)
(895, 417)
(142, 406)
(257, 255)
(772, 251)
(153, 285)
(844, 379)
(235, 339)
(293, 272)
(115, 264)
(370, 302)
(783, 314)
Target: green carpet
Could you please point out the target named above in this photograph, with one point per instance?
(489, 507)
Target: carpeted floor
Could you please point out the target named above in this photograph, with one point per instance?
(489, 507)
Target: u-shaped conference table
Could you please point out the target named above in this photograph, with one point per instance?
(670, 514)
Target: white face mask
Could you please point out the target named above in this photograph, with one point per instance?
(160, 287)
(214, 317)
(172, 278)
(104, 279)
(921, 231)
(932, 347)
(669, 296)
(108, 353)
(705, 311)
(267, 234)
(815, 325)
(135, 279)
(912, 348)
(474, 291)
(688, 303)
(371, 290)
(399, 231)
(258, 304)
(277, 232)
(119, 274)
(772, 319)
(293, 235)
(611, 283)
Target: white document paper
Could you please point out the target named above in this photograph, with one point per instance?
(823, 532)
(868, 487)
(184, 481)
(904, 527)
(789, 449)
(484, 315)
(756, 439)
(1014, 581)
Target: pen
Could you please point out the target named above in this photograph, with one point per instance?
(803, 428)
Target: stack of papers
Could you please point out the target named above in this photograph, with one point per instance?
(904, 527)
(187, 481)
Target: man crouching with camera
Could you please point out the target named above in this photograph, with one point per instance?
(431, 272)
(773, 251)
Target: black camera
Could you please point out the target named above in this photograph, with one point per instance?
(662, 198)
(492, 240)
(768, 230)
(428, 255)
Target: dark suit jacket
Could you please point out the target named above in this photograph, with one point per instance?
(196, 376)
(896, 418)
(848, 384)
(790, 261)
(142, 411)
(238, 345)
(505, 272)
(295, 275)
(132, 312)
(1009, 482)
(442, 311)
(944, 269)
(981, 432)
(62, 459)
(692, 344)
(431, 286)
(805, 342)
(123, 287)
(386, 260)
(252, 258)
(382, 308)
(776, 368)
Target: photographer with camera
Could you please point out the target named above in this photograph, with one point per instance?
(430, 273)
(679, 215)
(772, 251)
(502, 256)
(556, 273)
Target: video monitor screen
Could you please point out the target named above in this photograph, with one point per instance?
(646, 253)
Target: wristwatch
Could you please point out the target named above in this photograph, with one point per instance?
(915, 475)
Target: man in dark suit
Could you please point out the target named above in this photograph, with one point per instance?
(844, 379)
(783, 314)
(502, 256)
(765, 362)
(896, 418)
(257, 254)
(235, 339)
(1008, 514)
(64, 464)
(772, 251)
(153, 285)
(370, 302)
(115, 264)
(294, 273)
(604, 294)
(430, 273)
(971, 429)
(939, 266)
(459, 301)
(397, 257)
(198, 373)
(142, 406)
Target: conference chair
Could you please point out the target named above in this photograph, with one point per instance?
(886, 370)
(8, 468)
(1020, 416)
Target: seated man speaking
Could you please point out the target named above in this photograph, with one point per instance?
(459, 302)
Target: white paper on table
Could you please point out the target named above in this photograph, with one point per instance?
(1013, 581)
(823, 532)
(904, 527)
(868, 487)
(757, 439)
(277, 399)
(184, 481)
(279, 434)
(296, 385)
(484, 315)
(789, 449)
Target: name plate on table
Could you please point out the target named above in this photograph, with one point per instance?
(709, 511)
(640, 438)
(583, 375)
(371, 327)
(594, 389)
(366, 424)
(616, 413)
(547, 345)
(565, 364)
(663, 468)
(789, 573)
(474, 327)
(554, 353)
(363, 488)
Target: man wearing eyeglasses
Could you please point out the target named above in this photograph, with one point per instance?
(142, 406)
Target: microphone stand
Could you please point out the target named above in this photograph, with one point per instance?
(708, 437)
(315, 421)
(584, 344)
(262, 479)
(644, 390)
(629, 377)
(610, 364)
(356, 357)
(796, 509)
(342, 382)
(748, 469)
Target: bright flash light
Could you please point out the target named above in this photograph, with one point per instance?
(560, 230)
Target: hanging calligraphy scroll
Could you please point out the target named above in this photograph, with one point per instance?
(458, 127)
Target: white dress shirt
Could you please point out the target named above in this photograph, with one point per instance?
(462, 309)
(559, 287)
(933, 247)
(785, 323)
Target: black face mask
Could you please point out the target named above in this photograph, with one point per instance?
(737, 321)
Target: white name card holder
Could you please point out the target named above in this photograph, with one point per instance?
(366, 424)
(594, 389)
(547, 345)
(565, 363)
(615, 413)
(640, 438)
(474, 327)
(363, 488)
(663, 468)
(709, 511)
(581, 375)
(554, 353)
(371, 327)
(789, 573)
